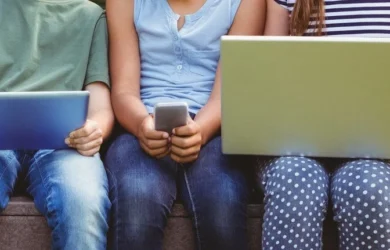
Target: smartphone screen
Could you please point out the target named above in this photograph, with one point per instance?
(168, 116)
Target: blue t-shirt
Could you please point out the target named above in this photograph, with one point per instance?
(180, 65)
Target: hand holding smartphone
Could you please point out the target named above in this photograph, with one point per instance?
(186, 143)
(168, 116)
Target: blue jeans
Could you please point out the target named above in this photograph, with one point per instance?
(213, 189)
(296, 195)
(71, 190)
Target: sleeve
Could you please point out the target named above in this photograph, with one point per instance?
(283, 3)
(137, 9)
(97, 70)
(235, 4)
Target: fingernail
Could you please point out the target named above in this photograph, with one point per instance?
(67, 141)
(173, 131)
(165, 135)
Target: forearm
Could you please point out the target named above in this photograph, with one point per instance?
(130, 111)
(125, 66)
(100, 109)
(209, 119)
(105, 118)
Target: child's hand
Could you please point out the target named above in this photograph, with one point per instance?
(87, 140)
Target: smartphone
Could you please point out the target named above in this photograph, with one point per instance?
(170, 115)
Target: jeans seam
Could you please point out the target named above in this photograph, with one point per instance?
(194, 210)
(2, 174)
(8, 158)
(46, 190)
(24, 158)
(113, 186)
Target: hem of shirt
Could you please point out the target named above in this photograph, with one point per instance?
(97, 78)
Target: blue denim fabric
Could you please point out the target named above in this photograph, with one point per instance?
(71, 190)
(213, 189)
(296, 197)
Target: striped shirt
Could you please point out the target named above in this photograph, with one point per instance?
(364, 18)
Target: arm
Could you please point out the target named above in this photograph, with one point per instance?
(100, 120)
(278, 22)
(250, 12)
(100, 109)
(187, 140)
(125, 79)
(125, 65)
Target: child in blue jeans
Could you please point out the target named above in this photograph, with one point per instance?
(163, 51)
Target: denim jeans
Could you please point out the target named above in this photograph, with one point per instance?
(296, 195)
(213, 189)
(69, 189)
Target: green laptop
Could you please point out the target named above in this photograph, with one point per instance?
(306, 96)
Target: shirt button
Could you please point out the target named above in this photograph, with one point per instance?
(176, 38)
(179, 67)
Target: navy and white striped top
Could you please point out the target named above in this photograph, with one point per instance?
(364, 18)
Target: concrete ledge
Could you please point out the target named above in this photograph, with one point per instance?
(23, 228)
(23, 206)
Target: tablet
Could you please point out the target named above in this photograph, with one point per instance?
(40, 120)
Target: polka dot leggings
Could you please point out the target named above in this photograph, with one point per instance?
(296, 196)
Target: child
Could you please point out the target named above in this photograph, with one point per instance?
(58, 46)
(296, 188)
(164, 51)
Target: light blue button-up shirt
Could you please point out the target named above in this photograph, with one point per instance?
(180, 65)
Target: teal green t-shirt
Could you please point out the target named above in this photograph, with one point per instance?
(52, 45)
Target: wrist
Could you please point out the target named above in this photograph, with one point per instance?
(141, 122)
(104, 121)
(203, 134)
(207, 131)
(139, 129)
(204, 137)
